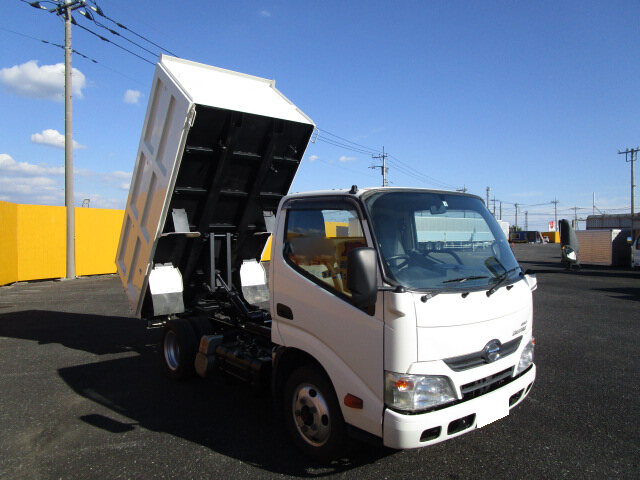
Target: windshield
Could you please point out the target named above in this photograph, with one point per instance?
(435, 241)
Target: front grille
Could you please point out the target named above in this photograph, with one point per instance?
(486, 385)
(465, 362)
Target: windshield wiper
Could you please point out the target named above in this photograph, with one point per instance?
(500, 279)
(464, 279)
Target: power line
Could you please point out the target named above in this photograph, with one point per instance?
(341, 145)
(418, 176)
(96, 8)
(111, 42)
(431, 179)
(347, 168)
(101, 25)
(53, 44)
(403, 167)
(364, 147)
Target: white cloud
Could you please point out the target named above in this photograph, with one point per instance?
(24, 182)
(99, 201)
(8, 164)
(53, 138)
(265, 13)
(28, 189)
(347, 159)
(131, 96)
(119, 179)
(313, 158)
(46, 81)
(120, 175)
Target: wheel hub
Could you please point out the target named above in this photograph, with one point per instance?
(311, 415)
(171, 350)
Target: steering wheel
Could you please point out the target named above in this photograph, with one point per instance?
(448, 251)
(395, 258)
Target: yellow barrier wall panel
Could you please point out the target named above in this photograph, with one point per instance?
(554, 237)
(41, 242)
(97, 234)
(266, 253)
(8, 243)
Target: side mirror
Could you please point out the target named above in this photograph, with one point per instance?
(362, 277)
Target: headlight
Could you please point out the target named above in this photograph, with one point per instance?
(569, 252)
(416, 392)
(526, 358)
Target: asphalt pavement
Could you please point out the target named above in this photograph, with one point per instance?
(82, 395)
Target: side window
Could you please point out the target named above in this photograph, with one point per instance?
(317, 243)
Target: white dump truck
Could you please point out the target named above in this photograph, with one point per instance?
(397, 313)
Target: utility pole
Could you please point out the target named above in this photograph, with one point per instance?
(526, 220)
(630, 156)
(575, 217)
(500, 209)
(516, 216)
(64, 8)
(494, 206)
(383, 167)
(488, 190)
(463, 189)
(555, 213)
(68, 147)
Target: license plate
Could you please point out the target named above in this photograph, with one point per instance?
(492, 411)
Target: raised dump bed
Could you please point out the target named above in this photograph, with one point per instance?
(218, 151)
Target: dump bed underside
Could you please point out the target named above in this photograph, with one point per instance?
(235, 169)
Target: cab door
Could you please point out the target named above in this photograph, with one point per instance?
(312, 305)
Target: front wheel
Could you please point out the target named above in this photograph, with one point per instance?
(312, 414)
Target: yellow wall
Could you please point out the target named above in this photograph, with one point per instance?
(266, 253)
(41, 242)
(33, 241)
(97, 235)
(554, 237)
(8, 243)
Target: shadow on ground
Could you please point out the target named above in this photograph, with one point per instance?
(228, 417)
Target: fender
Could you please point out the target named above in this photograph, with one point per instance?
(343, 378)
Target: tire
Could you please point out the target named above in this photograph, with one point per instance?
(312, 414)
(179, 346)
(201, 326)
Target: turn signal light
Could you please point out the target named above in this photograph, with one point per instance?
(404, 385)
(353, 401)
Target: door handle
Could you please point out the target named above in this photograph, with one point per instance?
(283, 311)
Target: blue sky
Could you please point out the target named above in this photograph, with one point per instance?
(532, 99)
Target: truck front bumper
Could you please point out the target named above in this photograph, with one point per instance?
(413, 431)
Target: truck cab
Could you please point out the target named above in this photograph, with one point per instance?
(398, 313)
(445, 342)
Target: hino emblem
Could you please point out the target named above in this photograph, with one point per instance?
(491, 351)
